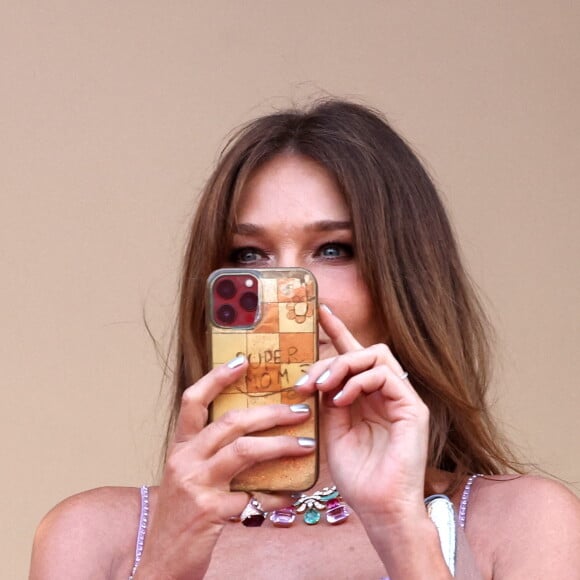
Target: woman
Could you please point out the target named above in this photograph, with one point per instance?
(333, 189)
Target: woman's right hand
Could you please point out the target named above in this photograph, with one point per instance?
(194, 500)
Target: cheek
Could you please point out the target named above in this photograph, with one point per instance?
(349, 299)
(357, 314)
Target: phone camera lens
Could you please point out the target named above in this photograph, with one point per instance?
(226, 314)
(226, 289)
(249, 301)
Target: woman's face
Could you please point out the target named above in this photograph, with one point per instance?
(292, 214)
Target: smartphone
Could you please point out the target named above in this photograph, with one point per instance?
(270, 316)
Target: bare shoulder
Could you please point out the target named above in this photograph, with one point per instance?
(521, 497)
(90, 534)
(531, 525)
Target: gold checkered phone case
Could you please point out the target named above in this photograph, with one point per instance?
(269, 315)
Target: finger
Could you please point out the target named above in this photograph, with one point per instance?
(336, 421)
(392, 361)
(233, 503)
(346, 365)
(246, 451)
(337, 331)
(305, 384)
(195, 400)
(392, 388)
(344, 341)
(240, 422)
(328, 374)
(223, 506)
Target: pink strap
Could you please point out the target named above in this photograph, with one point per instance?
(142, 531)
(462, 515)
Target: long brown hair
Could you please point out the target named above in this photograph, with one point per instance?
(407, 255)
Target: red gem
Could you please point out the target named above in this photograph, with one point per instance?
(254, 521)
(253, 515)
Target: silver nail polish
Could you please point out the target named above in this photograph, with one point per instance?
(300, 408)
(326, 307)
(236, 362)
(338, 395)
(323, 377)
(306, 442)
(301, 381)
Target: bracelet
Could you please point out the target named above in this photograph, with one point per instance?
(441, 513)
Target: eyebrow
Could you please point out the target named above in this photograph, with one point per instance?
(247, 229)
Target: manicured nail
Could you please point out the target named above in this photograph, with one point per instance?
(323, 377)
(236, 362)
(306, 442)
(325, 307)
(338, 395)
(300, 408)
(301, 381)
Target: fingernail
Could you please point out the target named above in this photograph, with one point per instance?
(300, 408)
(337, 396)
(323, 377)
(236, 362)
(301, 381)
(325, 307)
(306, 442)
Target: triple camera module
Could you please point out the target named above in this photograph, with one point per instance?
(235, 300)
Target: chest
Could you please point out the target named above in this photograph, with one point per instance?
(321, 551)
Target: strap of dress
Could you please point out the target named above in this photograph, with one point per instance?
(462, 514)
(142, 530)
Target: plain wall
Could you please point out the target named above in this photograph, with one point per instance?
(111, 116)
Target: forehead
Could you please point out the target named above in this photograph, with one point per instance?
(291, 186)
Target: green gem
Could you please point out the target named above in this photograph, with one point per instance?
(312, 517)
(330, 496)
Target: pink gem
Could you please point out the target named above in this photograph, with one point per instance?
(337, 513)
(284, 517)
(331, 504)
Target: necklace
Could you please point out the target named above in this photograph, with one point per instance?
(311, 506)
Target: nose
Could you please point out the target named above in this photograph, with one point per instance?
(289, 258)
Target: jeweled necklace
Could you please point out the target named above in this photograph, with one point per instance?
(311, 506)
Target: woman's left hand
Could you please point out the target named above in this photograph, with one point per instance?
(375, 425)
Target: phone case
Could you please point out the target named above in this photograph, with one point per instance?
(281, 343)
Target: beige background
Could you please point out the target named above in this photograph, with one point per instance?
(111, 114)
